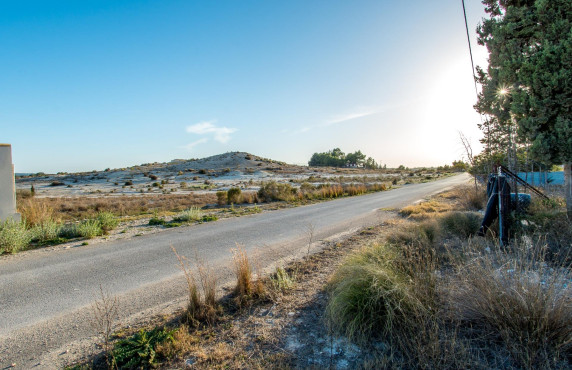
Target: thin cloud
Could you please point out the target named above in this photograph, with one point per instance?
(221, 134)
(364, 112)
(190, 146)
(358, 113)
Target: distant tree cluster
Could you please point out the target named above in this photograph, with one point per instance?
(337, 158)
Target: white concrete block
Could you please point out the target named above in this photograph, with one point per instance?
(7, 185)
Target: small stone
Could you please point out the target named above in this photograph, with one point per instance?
(190, 361)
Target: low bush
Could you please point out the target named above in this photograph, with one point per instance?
(282, 280)
(48, 230)
(273, 191)
(190, 215)
(246, 287)
(233, 195)
(156, 220)
(201, 309)
(423, 208)
(35, 212)
(88, 229)
(221, 198)
(107, 221)
(14, 236)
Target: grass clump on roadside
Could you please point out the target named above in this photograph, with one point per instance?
(373, 294)
(247, 288)
(189, 215)
(107, 221)
(202, 307)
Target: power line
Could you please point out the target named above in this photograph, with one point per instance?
(470, 49)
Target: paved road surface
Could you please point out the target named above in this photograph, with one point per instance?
(45, 298)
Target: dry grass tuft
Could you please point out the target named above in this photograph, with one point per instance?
(423, 209)
(35, 212)
(246, 287)
(200, 310)
(73, 208)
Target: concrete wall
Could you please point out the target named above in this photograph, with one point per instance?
(7, 186)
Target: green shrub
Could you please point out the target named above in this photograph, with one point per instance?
(138, 351)
(191, 214)
(208, 218)
(13, 236)
(282, 280)
(107, 221)
(272, 191)
(88, 229)
(156, 220)
(233, 195)
(221, 198)
(47, 230)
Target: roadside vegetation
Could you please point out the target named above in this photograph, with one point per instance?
(420, 292)
(40, 226)
(56, 220)
(438, 297)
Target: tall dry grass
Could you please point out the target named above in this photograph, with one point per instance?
(202, 309)
(247, 287)
(519, 300)
(74, 208)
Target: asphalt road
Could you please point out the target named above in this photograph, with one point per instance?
(46, 298)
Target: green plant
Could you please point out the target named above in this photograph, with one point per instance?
(107, 221)
(88, 229)
(281, 280)
(13, 236)
(47, 230)
(156, 220)
(233, 195)
(138, 351)
(272, 191)
(377, 291)
(209, 218)
(221, 198)
(191, 214)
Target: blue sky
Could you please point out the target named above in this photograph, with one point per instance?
(93, 84)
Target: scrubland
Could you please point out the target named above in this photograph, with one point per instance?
(122, 203)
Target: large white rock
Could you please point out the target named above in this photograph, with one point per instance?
(7, 186)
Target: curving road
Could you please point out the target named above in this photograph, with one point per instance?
(45, 298)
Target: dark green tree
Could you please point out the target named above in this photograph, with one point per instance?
(356, 158)
(527, 88)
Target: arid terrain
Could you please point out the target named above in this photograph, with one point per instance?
(219, 172)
